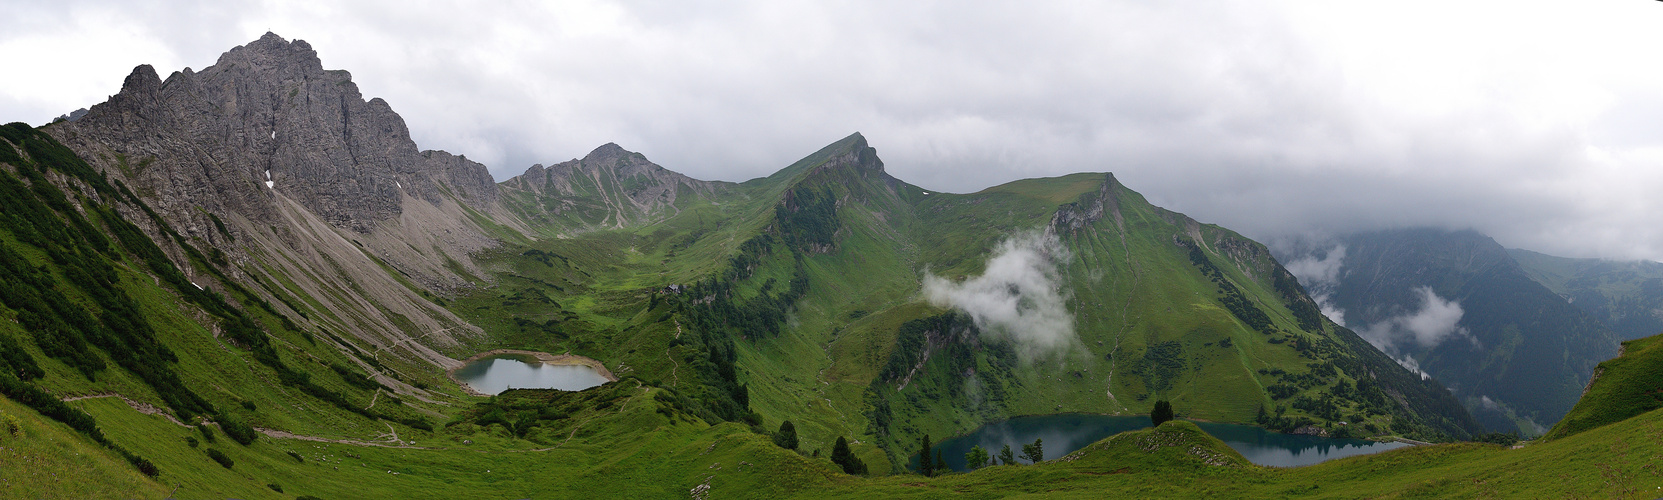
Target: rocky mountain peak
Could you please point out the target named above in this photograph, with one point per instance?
(608, 151)
(143, 80)
(851, 154)
(266, 120)
(276, 51)
(610, 187)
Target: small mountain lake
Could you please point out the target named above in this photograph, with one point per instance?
(1066, 433)
(499, 372)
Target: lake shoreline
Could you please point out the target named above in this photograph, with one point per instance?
(541, 357)
(1071, 431)
(1377, 439)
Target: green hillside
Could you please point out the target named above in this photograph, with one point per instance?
(1517, 354)
(1621, 388)
(796, 297)
(805, 288)
(1173, 461)
(1626, 295)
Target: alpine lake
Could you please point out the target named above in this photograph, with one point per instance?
(1065, 433)
(495, 373)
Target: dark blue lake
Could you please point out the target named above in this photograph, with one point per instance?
(1066, 433)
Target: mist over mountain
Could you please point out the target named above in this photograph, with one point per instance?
(1456, 306)
(249, 281)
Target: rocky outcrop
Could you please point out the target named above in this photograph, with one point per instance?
(268, 119)
(1091, 208)
(306, 188)
(609, 188)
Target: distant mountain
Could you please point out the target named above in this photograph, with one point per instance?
(923, 312)
(257, 246)
(609, 188)
(1457, 306)
(1626, 295)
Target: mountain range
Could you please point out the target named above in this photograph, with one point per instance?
(256, 252)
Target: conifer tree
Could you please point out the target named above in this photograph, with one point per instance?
(1034, 452)
(976, 458)
(787, 436)
(1161, 413)
(925, 464)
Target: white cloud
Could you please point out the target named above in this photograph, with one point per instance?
(1435, 321)
(1020, 297)
(1319, 276)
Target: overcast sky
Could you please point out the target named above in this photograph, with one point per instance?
(1539, 123)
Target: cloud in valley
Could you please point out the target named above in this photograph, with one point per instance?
(1319, 276)
(1020, 297)
(1531, 121)
(1435, 321)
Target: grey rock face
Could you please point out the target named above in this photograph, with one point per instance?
(268, 111)
(610, 187)
(286, 169)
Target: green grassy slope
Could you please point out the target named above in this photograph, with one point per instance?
(1175, 460)
(94, 307)
(1152, 322)
(1629, 385)
(1626, 295)
(790, 297)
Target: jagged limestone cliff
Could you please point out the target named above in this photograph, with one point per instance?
(317, 198)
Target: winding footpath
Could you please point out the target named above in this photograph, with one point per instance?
(391, 442)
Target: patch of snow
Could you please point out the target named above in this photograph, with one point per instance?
(274, 134)
(269, 184)
(198, 287)
(400, 184)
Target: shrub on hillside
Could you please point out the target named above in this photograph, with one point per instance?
(218, 456)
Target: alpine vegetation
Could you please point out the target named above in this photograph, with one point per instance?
(1020, 297)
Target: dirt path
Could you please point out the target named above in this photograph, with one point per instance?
(393, 440)
(395, 343)
(676, 381)
(1125, 321)
(277, 434)
(820, 376)
(141, 407)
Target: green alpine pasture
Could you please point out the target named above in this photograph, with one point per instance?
(793, 297)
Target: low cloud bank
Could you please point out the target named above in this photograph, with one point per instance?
(1021, 296)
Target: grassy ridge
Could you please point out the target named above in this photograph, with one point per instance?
(788, 297)
(619, 458)
(1164, 307)
(1628, 385)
